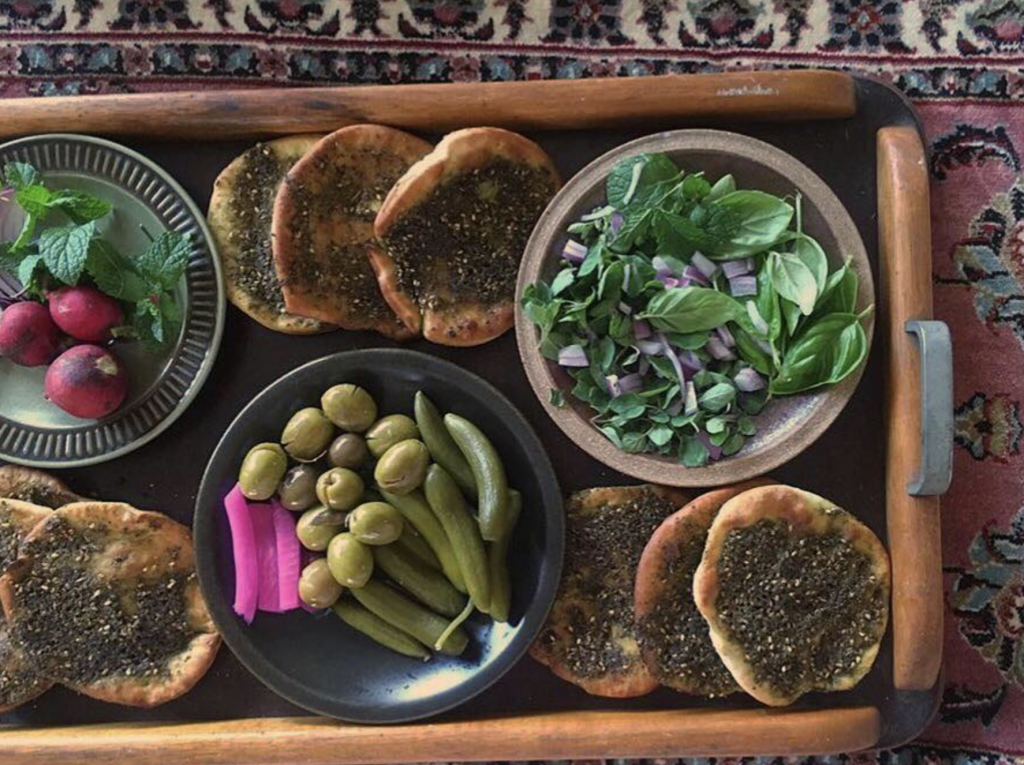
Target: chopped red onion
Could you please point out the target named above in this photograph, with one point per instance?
(615, 222)
(573, 356)
(748, 380)
(625, 308)
(631, 383)
(667, 349)
(649, 347)
(574, 252)
(691, 361)
(667, 280)
(675, 407)
(734, 268)
(614, 388)
(641, 329)
(755, 318)
(662, 267)
(714, 452)
(643, 366)
(694, 274)
(743, 286)
(705, 266)
(691, 398)
(726, 336)
(717, 349)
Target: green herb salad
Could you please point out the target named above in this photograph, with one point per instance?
(682, 306)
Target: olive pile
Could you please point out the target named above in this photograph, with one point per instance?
(392, 510)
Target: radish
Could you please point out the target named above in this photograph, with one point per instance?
(28, 336)
(86, 381)
(85, 313)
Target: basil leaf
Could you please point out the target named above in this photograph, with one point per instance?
(751, 352)
(20, 174)
(716, 425)
(556, 398)
(767, 302)
(746, 426)
(661, 435)
(563, 279)
(696, 186)
(65, 249)
(691, 309)
(691, 341)
(825, 352)
(793, 280)
(676, 234)
(604, 354)
(792, 314)
(718, 397)
(840, 293)
(732, 444)
(724, 185)
(633, 230)
(809, 252)
(693, 453)
(763, 218)
(610, 285)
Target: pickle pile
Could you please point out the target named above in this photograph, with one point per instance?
(414, 516)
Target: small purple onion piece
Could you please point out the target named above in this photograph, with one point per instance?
(691, 398)
(748, 380)
(649, 347)
(691, 361)
(574, 252)
(667, 349)
(756, 319)
(631, 383)
(572, 356)
(743, 286)
(726, 336)
(714, 452)
(667, 280)
(614, 388)
(615, 222)
(643, 366)
(662, 267)
(641, 329)
(625, 308)
(717, 349)
(704, 265)
(675, 407)
(734, 268)
(694, 274)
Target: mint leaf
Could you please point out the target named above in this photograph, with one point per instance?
(166, 259)
(65, 250)
(79, 206)
(27, 269)
(34, 200)
(19, 174)
(9, 257)
(113, 273)
(627, 185)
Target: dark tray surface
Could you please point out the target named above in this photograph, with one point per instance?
(847, 464)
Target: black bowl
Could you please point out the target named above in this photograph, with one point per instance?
(318, 662)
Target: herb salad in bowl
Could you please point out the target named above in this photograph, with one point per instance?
(695, 307)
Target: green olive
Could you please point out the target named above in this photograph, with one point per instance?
(403, 467)
(388, 431)
(348, 451)
(317, 527)
(375, 523)
(298, 488)
(351, 561)
(307, 434)
(349, 407)
(317, 586)
(340, 489)
(262, 470)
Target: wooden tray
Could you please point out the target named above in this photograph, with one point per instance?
(863, 141)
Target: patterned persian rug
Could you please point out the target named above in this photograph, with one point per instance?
(961, 61)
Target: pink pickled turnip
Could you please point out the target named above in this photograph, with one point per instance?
(86, 381)
(85, 313)
(28, 336)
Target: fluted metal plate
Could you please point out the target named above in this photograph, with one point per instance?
(34, 431)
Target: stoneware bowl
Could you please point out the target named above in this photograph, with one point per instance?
(787, 425)
(315, 660)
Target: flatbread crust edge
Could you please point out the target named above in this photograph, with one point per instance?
(803, 510)
(190, 665)
(671, 534)
(222, 222)
(638, 681)
(359, 136)
(458, 152)
(28, 484)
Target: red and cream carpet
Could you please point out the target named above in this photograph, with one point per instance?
(961, 61)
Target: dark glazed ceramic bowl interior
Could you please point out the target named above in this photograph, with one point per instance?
(316, 661)
(788, 425)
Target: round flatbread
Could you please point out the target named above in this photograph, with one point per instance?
(795, 592)
(35, 487)
(454, 229)
(104, 599)
(673, 634)
(590, 636)
(20, 679)
(241, 210)
(323, 226)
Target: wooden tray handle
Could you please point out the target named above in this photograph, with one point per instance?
(531, 105)
(904, 231)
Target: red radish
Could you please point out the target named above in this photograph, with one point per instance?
(86, 381)
(28, 336)
(85, 313)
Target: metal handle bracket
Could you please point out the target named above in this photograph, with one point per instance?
(936, 469)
